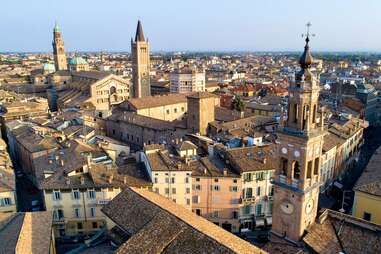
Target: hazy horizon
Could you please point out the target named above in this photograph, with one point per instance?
(199, 26)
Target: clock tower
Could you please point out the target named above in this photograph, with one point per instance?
(296, 181)
(140, 64)
(59, 49)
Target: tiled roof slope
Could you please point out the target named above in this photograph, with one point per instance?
(158, 225)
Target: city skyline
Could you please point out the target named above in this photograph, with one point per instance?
(197, 27)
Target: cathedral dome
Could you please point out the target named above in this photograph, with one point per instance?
(77, 61)
(48, 68)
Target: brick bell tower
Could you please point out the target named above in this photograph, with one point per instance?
(140, 49)
(58, 49)
(296, 181)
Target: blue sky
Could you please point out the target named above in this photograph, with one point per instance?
(171, 25)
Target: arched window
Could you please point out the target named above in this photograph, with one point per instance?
(295, 113)
(314, 114)
(309, 169)
(112, 90)
(296, 169)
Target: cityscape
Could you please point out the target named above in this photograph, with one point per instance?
(171, 149)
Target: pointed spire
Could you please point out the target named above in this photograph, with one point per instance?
(139, 33)
(306, 59)
(56, 28)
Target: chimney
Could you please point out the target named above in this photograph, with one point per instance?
(67, 181)
(61, 162)
(225, 171)
(264, 160)
(205, 171)
(125, 179)
(110, 178)
(82, 179)
(88, 161)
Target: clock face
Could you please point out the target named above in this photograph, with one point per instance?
(309, 206)
(296, 153)
(284, 150)
(287, 207)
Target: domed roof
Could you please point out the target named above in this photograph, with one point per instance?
(306, 59)
(77, 61)
(49, 67)
(57, 29)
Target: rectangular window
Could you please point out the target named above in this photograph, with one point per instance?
(79, 226)
(92, 211)
(56, 195)
(166, 190)
(367, 216)
(155, 180)
(233, 188)
(316, 166)
(77, 213)
(166, 180)
(95, 224)
(258, 209)
(76, 194)
(196, 199)
(188, 201)
(186, 179)
(91, 194)
(309, 169)
(172, 180)
(187, 190)
(216, 188)
(197, 187)
(249, 192)
(258, 191)
(173, 190)
(7, 201)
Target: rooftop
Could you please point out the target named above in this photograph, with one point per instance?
(158, 225)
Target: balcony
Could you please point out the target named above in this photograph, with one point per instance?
(103, 201)
(58, 221)
(295, 183)
(248, 200)
(282, 178)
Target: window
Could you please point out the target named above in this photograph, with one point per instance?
(248, 177)
(155, 180)
(76, 194)
(216, 180)
(92, 211)
(283, 166)
(233, 188)
(248, 192)
(197, 179)
(309, 169)
(166, 190)
(258, 191)
(215, 214)
(296, 169)
(58, 214)
(216, 187)
(196, 199)
(258, 209)
(79, 226)
(56, 195)
(91, 194)
(186, 179)
(175, 110)
(198, 212)
(187, 190)
(259, 176)
(95, 224)
(234, 180)
(172, 180)
(235, 215)
(197, 187)
(166, 180)
(167, 111)
(173, 190)
(271, 191)
(5, 202)
(188, 201)
(367, 216)
(316, 166)
(77, 213)
(270, 208)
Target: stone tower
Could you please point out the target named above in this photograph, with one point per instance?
(140, 64)
(201, 111)
(59, 50)
(296, 181)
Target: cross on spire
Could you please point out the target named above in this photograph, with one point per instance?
(308, 34)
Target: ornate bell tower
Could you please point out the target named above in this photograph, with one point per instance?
(296, 181)
(59, 49)
(140, 64)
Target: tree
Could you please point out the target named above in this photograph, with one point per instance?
(238, 104)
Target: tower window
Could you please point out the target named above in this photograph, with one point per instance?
(295, 113)
(314, 114)
(296, 169)
(316, 166)
(283, 166)
(309, 169)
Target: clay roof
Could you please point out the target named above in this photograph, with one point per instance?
(26, 232)
(370, 180)
(255, 158)
(158, 225)
(155, 101)
(335, 232)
